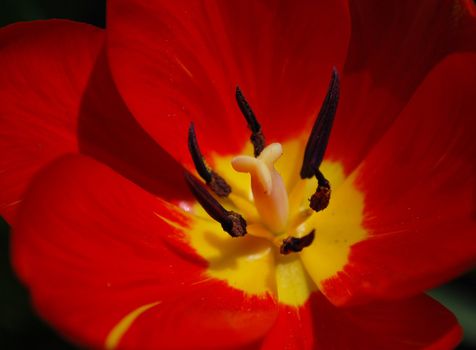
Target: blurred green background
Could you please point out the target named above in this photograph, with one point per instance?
(21, 329)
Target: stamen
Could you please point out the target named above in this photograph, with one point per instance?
(257, 137)
(294, 245)
(320, 199)
(317, 143)
(231, 222)
(216, 183)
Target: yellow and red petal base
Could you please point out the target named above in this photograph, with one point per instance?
(253, 264)
(108, 265)
(99, 260)
(418, 184)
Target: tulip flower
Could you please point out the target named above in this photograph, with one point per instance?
(243, 174)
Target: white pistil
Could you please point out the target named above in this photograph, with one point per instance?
(269, 192)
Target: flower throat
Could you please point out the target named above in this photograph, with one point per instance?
(270, 197)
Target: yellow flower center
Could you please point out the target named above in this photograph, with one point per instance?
(276, 206)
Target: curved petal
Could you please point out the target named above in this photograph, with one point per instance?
(45, 68)
(65, 101)
(417, 323)
(107, 263)
(419, 184)
(108, 132)
(207, 316)
(180, 61)
(393, 46)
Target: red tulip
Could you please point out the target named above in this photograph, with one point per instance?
(118, 252)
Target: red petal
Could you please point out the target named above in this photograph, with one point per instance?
(470, 7)
(181, 61)
(210, 316)
(45, 68)
(394, 44)
(108, 132)
(419, 185)
(417, 323)
(92, 248)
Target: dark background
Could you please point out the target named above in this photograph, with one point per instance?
(20, 328)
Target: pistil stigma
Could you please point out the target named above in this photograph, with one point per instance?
(269, 193)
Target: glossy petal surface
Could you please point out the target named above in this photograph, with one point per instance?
(419, 187)
(65, 101)
(393, 46)
(105, 268)
(110, 264)
(108, 132)
(181, 61)
(416, 323)
(45, 68)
